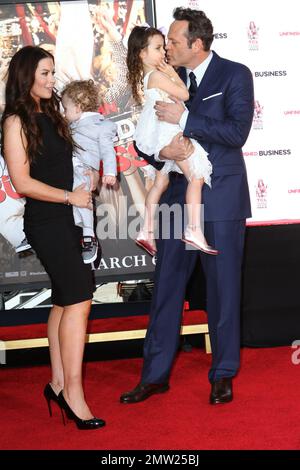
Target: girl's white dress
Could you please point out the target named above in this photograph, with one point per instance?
(151, 135)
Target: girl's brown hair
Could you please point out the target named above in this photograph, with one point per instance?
(137, 41)
(19, 102)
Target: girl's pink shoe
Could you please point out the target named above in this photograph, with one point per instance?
(191, 238)
(146, 242)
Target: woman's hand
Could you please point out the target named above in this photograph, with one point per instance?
(94, 178)
(81, 198)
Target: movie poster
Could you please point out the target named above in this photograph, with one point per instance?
(88, 39)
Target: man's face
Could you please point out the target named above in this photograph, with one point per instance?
(178, 51)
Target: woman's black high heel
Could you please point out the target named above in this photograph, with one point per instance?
(93, 423)
(49, 394)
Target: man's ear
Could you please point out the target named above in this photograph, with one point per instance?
(197, 45)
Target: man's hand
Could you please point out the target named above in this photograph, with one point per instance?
(169, 112)
(180, 148)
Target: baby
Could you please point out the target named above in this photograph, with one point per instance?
(94, 139)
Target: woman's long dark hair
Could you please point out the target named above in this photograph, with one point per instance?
(19, 102)
(137, 41)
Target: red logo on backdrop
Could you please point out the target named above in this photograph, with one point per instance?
(292, 112)
(289, 33)
(294, 191)
(253, 36)
(250, 153)
(261, 194)
(258, 115)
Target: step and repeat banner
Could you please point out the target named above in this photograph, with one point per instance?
(265, 36)
(88, 39)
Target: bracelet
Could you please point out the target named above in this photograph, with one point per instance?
(67, 201)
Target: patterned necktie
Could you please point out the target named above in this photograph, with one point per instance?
(192, 90)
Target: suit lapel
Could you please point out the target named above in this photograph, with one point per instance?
(209, 77)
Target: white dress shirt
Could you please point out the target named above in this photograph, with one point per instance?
(199, 72)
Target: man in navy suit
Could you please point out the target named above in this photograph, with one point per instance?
(219, 115)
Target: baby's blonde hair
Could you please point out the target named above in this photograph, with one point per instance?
(83, 93)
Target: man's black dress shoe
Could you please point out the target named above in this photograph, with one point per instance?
(142, 392)
(221, 391)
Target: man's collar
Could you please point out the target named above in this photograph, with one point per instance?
(200, 70)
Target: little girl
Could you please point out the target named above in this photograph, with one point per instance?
(147, 68)
(94, 138)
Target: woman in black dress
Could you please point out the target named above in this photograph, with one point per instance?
(37, 146)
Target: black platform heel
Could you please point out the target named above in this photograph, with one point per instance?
(93, 423)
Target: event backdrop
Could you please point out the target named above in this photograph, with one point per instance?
(88, 39)
(264, 35)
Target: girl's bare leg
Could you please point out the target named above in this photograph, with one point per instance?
(193, 200)
(194, 233)
(152, 198)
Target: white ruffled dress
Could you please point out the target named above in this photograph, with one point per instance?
(151, 135)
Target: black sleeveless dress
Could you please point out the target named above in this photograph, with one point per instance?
(49, 226)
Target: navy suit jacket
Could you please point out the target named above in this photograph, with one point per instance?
(220, 119)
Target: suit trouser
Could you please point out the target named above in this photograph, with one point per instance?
(174, 267)
(223, 295)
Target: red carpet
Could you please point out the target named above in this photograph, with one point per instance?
(264, 414)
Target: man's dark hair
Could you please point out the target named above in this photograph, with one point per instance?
(199, 26)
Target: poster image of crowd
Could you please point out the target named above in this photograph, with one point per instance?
(88, 39)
